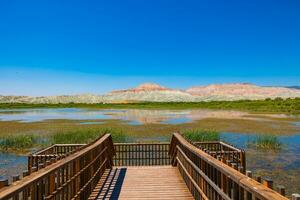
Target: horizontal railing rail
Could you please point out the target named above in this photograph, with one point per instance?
(232, 156)
(141, 154)
(73, 177)
(59, 149)
(49, 155)
(209, 178)
(216, 146)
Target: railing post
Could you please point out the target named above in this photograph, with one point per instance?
(3, 182)
(51, 183)
(15, 177)
(268, 182)
(77, 179)
(29, 163)
(173, 151)
(281, 190)
(295, 196)
(249, 173)
(243, 160)
(258, 179)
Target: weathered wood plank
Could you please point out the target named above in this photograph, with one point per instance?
(147, 182)
(163, 182)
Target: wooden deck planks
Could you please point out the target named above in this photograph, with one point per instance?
(147, 182)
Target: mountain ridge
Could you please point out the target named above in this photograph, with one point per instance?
(157, 93)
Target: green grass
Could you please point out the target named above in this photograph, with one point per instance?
(86, 136)
(265, 142)
(74, 137)
(23, 143)
(200, 135)
(278, 105)
(18, 142)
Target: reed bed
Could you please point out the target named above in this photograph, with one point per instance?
(86, 136)
(22, 143)
(18, 142)
(265, 142)
(201, 135)
(277, 105)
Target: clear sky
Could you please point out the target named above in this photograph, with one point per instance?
(66, 47)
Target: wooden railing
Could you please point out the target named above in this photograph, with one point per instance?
(59, 149)
(77, 173)
(73, 177)
(141, 154)
(232, 156)
(49, 155)
(209, 178)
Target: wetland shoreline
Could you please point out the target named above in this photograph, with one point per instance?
(278, 105)
(58, 125)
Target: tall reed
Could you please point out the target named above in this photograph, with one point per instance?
(201, 135)
(265, 142)
(18, 142)
(23, 143)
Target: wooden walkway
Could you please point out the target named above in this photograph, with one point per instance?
(148, 182)
(135, 171)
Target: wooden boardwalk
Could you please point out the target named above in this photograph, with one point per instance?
(147, 182)
(137, 171)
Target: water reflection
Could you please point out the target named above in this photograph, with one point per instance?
(132, 116)
(89, 123)
(11, 164)
(35, 115)
(285, 159)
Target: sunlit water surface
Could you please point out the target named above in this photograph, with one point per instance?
(131, 116)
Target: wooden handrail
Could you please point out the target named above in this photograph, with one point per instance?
(206, 178)
(51, 154)
(219, 142)
(52, 148)
(233, 183)
(229, 154)
(72, 177)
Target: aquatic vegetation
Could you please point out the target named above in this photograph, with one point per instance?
(265, 142)
(18, 142)
(86, 136)
(21, 143)
(278, 105)
(201, 135)
(117, 135)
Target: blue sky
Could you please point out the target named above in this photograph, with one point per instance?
(66, 47)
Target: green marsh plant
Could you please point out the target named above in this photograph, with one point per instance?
(86, 136)
(18, 142)
(265, 142)
(201, 135)
(23, 143)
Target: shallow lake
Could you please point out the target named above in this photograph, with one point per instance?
(282, 165)
(131, 116)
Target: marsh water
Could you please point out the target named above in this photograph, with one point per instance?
(131, 116)
(282, 165)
